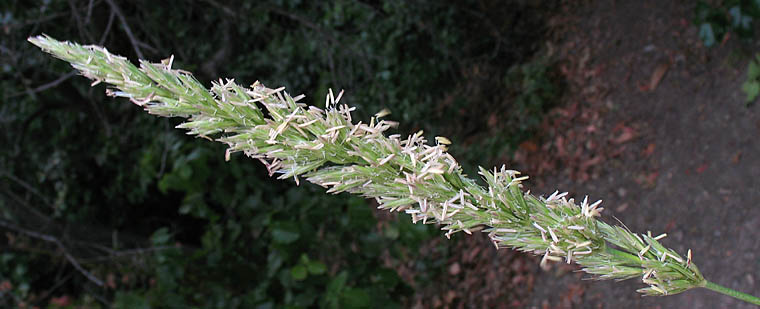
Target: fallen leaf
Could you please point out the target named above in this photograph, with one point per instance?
(5, 286)
(559, 142)
(622, 207)
(642, 87)
(437, 302)
(736, 157)
(652, 177)
(472, 254)
(518, 279)
(62, 301)
(701, 168)
(493, 120)
(627, 135)
(111, 281)
(658, 74)
(647, 179)
(590, 162)
(649, 150)
(450, 296)
(529, 146)
(725, 39)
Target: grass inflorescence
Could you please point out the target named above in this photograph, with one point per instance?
(327, 147)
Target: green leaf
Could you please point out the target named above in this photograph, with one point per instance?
(385, 277)
(355, 298)
(284, 234)
(707, 34)
(298, 272)
(130, 300)
(304, 299)
(746, 23)
(391, 232)
(753, 70)
(736, 16)
(316, 267)
(752, 90)
(334, 289)
(304, 258)
(274, 261)
(160, 236)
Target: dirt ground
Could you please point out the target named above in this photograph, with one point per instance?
(682, 157)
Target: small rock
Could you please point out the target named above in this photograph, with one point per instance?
(454, 269)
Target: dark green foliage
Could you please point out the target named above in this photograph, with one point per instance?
(277, 247)
(533, 88)
(715, 22)
(728, 16)
(105, 179)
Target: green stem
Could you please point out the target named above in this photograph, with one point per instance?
(733, 293)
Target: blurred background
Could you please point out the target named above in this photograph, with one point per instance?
(648, 105)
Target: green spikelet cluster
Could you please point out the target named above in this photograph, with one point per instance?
(327, 147)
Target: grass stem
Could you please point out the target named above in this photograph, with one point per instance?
(733, 293)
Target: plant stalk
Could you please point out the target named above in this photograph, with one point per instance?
(733, 293)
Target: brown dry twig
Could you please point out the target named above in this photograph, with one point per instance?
(127, 29)
(28, 187)
(57, 242)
